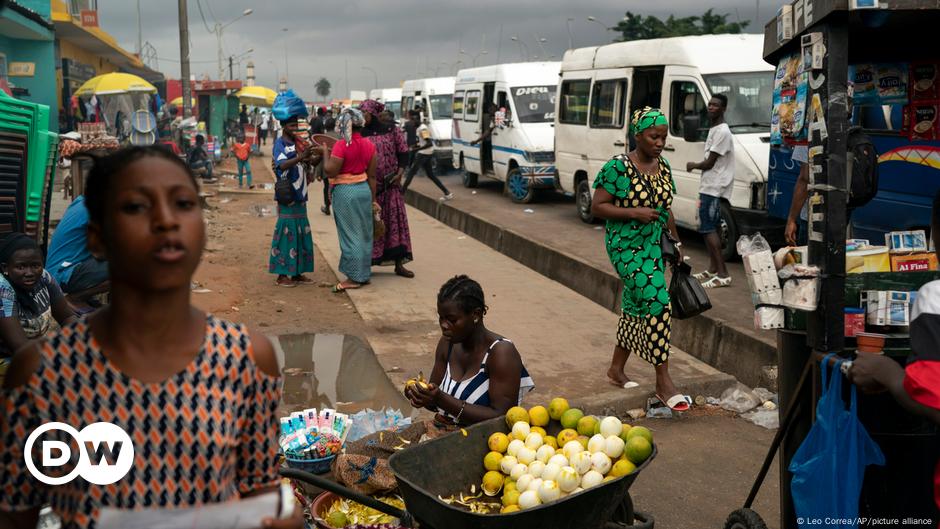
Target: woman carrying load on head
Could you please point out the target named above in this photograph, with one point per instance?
(394, 246)
(634, 192)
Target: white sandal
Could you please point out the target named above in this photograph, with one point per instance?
(703, 276)
(717, 282)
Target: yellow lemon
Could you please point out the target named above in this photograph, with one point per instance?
(622, 468)
(538, 416)
(539, 430)
(508, 509)
(516, 414)
(625, 432)
(550, 441)
(586, 425)
(492, 460)
(566, 435)
(498, 442)
(557, 407)
(641, 431)
(511, 498)
(638, 449)
(492, 483)
(583, 439)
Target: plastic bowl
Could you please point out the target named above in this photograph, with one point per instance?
(320, 505)
(314, 466)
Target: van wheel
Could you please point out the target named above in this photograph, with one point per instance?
(469, 179)
(728, 232)
(518, 187)
(583, 199)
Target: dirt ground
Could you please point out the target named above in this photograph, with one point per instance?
(235, 265)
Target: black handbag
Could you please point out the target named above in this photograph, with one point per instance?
(669, 247)
(283, 192)
(687, 294)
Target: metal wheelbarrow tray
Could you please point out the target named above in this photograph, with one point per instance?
(450, 464)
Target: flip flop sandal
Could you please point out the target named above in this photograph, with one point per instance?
(626, 385)
(717, 282)
(338, 287)
(677, 402)
(285, 284)
(704, 275)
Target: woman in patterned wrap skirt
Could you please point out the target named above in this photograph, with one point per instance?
(633, 192)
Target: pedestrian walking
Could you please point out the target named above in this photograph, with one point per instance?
(292, 243)
(242, 150)
(318, 123)
(265, 124)
(424, 153)
(477, 374)
(351, 168)
(410, 127)
(715, 185)
(394, 246)
(243, 117)
(634, 193)
(150, 363)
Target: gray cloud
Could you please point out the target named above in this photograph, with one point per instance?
(400, 39)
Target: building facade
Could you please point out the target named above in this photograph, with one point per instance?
(27, 54)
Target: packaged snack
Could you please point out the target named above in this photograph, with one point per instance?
(923, 120)
(925, 86)
(865, 90)
(891, 82)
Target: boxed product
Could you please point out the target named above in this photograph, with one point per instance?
(891, 82)
(766, 318)
(800, 287)
(906, 241)
(872, 259)
(864, 86)
(922, 120)
(887, 308)
(762, 278)
(925, 86)
(915, 262)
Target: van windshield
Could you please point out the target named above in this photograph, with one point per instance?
(750, 96)
(534, 104)
(442, 106)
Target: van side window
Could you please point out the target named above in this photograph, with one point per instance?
(685, 99)
(458, 104)
(574, 102)
(472, 106)
(607, 104)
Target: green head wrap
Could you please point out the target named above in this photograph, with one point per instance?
(645, 118)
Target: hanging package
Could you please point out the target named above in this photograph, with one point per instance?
(287, 104)
(829, 466)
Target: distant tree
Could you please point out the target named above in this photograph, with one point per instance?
(323, 87)
(639, 27)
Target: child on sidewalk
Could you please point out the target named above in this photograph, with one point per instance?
(242, 150)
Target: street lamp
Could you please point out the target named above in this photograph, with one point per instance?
(521, 45)
(286, 64)
(475, 57)
(374, 75)
(570, 39)
(601, 24)
(231, 62)
(218, 29)
(540, 41)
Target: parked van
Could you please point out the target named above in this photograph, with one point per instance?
(435, 97)
(391, 97)
(521, 149)
(600, 87)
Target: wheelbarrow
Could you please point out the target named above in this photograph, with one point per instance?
(448, 465)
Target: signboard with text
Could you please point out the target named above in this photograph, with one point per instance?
(21, 69)
(89, 18)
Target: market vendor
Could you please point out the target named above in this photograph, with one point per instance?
(30, 297)
(199, 158)
(916, 387)
(477, 373)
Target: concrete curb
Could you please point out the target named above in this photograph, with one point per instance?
(709, 339)
(618, 401)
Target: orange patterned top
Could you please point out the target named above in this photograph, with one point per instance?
(205, 435)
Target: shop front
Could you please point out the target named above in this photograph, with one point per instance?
(27, 54)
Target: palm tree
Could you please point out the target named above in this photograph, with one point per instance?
(323, 87)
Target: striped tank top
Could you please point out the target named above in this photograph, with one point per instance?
(476, 389)
(205, 435)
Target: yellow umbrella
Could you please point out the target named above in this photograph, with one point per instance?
(256, 95)
(114, 83)
(178, 102)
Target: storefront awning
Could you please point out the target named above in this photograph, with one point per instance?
(94, 40)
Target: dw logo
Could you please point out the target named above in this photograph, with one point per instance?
(105, 453)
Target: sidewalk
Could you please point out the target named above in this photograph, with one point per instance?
(547, 237)
(565, 339)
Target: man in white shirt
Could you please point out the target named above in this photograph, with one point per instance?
(424, 153)
(715, 185)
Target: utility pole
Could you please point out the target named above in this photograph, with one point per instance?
(231, 75)
(184, 59)
(140, 39)
(218, 36)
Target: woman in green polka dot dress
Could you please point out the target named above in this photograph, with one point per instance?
(633, 192)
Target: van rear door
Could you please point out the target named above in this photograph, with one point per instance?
(607, 120)
(683, 94)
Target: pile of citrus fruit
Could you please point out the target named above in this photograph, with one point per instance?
(530, 467)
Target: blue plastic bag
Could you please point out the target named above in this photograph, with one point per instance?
(829, 467)
(287, 104)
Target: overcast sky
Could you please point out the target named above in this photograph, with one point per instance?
(338, 39)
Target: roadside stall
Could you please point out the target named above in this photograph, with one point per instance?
(857, 83)
(255, 97)
(123, 102)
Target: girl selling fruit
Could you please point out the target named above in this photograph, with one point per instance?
(477, 373)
